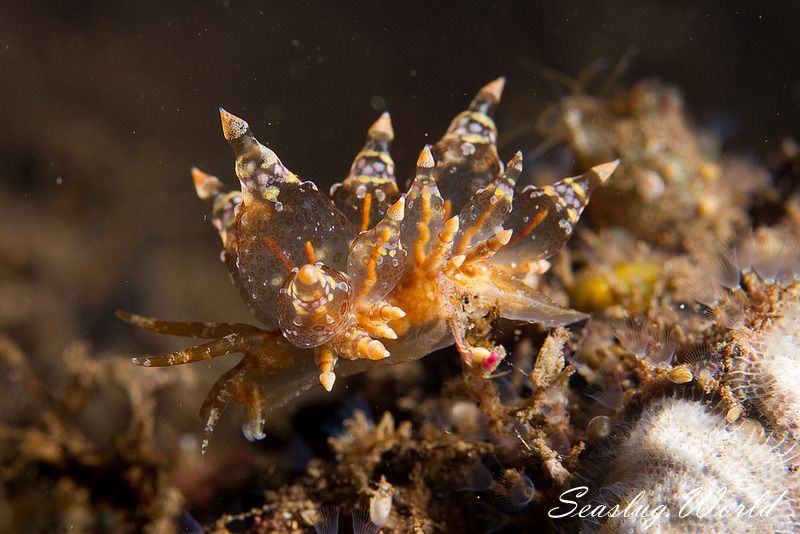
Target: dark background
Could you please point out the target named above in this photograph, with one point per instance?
(106, 105)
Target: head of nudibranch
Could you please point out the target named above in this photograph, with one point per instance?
(368, 273)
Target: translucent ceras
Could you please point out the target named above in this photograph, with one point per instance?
(370, 276)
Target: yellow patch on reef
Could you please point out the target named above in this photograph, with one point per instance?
(709, 171)
(592, 292)
(631, 284)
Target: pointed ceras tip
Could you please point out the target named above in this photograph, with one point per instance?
(327, 379)
(605, 170)
(232, 126)
(495, 88)
(388, 333)
(504, 236)
(382, 128)
(393, 312)
(198, 176)
(397, 211)
(206, 185)
(376, 350)
(425, 160)
(514, 166)
(451, 224)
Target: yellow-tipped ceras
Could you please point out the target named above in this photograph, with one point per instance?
(368, 276)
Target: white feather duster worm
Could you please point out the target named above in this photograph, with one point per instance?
(682, 468)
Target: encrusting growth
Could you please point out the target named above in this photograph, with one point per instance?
(696, 473)
(370, 275)
(766, 372)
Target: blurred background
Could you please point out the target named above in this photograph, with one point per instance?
(107, 105)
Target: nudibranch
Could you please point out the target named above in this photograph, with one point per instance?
(368, 276)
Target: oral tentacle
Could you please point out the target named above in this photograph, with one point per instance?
(185, 329)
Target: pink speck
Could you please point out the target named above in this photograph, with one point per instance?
(491, 362)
